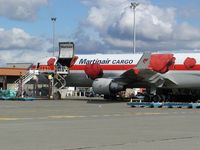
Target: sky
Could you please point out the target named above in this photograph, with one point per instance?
(96, 26)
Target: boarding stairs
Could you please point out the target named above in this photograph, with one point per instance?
(59, 83)
(20, 82)
(61, 74)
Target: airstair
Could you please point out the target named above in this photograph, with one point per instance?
(61, 81)
(20, 82)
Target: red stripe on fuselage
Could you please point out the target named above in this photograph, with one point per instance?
(183, 68)
(176, 67)
(105, 67)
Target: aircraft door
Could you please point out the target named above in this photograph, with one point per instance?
(66, 53)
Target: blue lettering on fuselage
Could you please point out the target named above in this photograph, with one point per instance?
(123, 61)
(105, 61)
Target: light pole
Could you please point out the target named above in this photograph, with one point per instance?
(53, 19)
(133, 6)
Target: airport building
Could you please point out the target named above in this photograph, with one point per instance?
(10, 73)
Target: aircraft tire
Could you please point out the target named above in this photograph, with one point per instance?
(57, 96)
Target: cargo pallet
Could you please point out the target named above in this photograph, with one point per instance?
(160, 105)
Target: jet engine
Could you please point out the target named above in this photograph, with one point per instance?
(106, 86)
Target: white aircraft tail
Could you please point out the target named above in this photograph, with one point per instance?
(144, 61)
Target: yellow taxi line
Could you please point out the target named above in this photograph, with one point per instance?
(71, 116)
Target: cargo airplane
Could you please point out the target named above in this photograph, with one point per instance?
(172, 76)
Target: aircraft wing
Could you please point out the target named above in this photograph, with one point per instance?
(143, 73)
(142, 66)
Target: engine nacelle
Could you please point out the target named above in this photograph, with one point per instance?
(106, 86)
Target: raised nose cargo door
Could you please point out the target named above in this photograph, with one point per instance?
(66, 53)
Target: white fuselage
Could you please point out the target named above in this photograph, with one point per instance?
(113, 66)
(116, 64)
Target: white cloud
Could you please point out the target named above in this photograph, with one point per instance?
(21, 56)
(118, 42)
(157, 28)
(17, 38)
(20, 9)
(154, 23)
(18, 46)
(185, 32)
(104, 13)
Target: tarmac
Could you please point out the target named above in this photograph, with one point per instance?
(96, 125)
